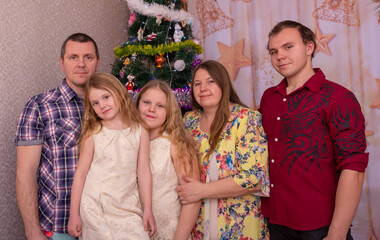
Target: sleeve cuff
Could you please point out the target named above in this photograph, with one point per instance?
(357, 162)
(28, 142)
(248, 183)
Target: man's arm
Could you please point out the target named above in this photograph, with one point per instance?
(28, 160)
(346, 124)
(346, 203)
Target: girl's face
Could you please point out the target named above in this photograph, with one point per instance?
(104, 104)
(152, 109)
(206, 91)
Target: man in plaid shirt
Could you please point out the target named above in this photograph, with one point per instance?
(47, 152)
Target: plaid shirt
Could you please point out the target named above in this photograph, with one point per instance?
(53, 119)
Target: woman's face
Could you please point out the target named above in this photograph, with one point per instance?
(206, 91)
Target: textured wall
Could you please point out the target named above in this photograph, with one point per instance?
(31, 36)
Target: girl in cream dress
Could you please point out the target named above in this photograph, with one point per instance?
(172, 155)
(114, 154)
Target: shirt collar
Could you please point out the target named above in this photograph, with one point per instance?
(313, 84)
(66, 91)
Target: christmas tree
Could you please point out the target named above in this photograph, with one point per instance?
(160, 45)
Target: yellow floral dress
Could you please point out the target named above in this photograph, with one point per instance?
(243, 155)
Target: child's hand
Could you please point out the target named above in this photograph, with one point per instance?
(74, 227)
(149, 222)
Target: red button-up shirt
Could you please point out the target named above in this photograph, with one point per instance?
(313, 134)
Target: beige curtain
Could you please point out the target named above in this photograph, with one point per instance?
(234, 32)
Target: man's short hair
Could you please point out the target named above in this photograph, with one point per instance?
(306, 34)
(78, 37)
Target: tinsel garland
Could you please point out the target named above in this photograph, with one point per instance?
(154, 9)
(151, 50)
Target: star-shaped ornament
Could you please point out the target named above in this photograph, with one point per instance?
(322, 40)
(232, 58)
(376, 103)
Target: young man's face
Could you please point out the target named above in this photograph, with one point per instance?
(79, 63)
(289, 55)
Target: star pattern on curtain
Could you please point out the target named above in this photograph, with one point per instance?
(233, 58)
(376, 103)
(322, 40)
(367, 132)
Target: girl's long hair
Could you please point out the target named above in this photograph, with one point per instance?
(174, 126)
(106, 81)
(220, 75)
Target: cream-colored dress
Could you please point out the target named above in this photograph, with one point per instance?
(165, 202)
(110, 205)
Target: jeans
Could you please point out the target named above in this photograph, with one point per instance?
(61, 236)
(279, 232)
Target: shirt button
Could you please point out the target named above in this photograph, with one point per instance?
(284, 99)
(278, 118)
(272, 161)
(271, 185)
(276, 139)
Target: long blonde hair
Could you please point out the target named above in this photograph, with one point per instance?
(108, 82)
(174, 126)
(220, 75)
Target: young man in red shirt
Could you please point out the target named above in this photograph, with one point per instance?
(316, 137)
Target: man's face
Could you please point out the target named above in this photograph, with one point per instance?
(79, 63)
(289, 55)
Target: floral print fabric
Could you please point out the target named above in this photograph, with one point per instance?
(242, 154)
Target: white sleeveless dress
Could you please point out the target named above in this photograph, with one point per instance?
(165, 202)
(110, 205)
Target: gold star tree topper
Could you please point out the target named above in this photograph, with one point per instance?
(233, 58)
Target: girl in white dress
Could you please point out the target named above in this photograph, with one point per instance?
(172, 155)
(114, 154)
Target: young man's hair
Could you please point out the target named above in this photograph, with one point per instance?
(79, 37)
(306, 34)
(220, 75)
(174, 126)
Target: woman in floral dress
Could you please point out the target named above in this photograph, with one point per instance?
(233, 159)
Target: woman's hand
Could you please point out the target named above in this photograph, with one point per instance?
(149, 223)
(74, 227)
(190, 191)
